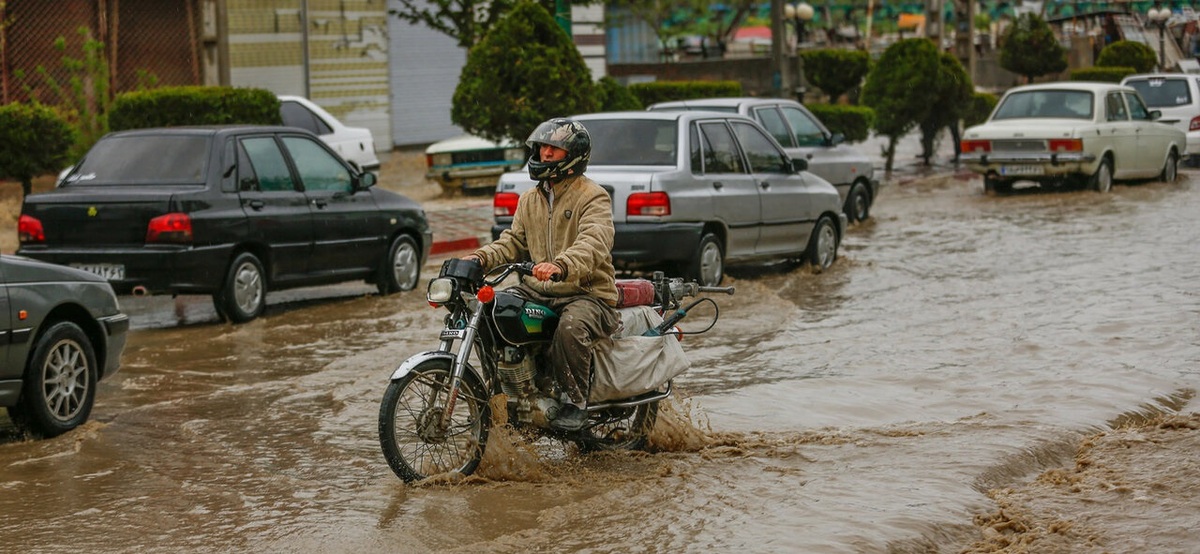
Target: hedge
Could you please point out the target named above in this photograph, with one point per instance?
(979, 109)
(1111, 74)
(666, 91)
(192, 105)
(852, 121)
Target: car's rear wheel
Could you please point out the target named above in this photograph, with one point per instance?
(1170, 169)
(858, 203)
(1102, 179)
(243, 295)
(822, 244)
(59, 387)
(401, 267)
(708, 264)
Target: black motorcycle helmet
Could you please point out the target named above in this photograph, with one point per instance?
(562, 133)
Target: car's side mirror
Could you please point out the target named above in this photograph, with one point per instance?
(837, 139)
(799, 165)
(366, 180)
(1155, 115)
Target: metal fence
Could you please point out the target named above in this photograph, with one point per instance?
(44, 45)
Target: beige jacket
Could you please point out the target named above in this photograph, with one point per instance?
(572, 227)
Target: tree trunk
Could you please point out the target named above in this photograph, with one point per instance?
(890, 154)
(26, 186)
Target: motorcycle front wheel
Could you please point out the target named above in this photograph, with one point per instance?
(415, 441)
(619, 429)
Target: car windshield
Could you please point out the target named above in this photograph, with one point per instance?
(632, 141)
(144, 159)
(1163, 93)
(1071, 104)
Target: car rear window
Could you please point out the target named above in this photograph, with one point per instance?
(632, 141)
(1162, 93)
(147, 159)
(1070, 104)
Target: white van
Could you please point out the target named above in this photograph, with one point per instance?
(1177, 96)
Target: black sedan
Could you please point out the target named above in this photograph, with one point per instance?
(62, 333)
(230, 211)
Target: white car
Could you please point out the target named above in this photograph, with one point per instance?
(1072, 133)
(354, 144)
(1177, 96)
(469, 162)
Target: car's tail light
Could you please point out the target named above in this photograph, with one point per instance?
(1066, 145)
(976, 146)
(504, 204)
(30, 230)
(1195, 124)
(648, 203)
(173, 227)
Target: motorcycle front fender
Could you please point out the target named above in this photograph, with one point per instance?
(407, 365)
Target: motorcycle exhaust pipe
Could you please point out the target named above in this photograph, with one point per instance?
(140, 290)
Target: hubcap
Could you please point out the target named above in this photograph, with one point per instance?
(404, 266)
(1172, 169)
(826, 246)
(710, 265)
(247, 288)
(65, 380)
(860, 207)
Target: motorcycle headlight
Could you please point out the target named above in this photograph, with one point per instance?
(441, 290)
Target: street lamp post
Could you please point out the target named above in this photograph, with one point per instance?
(1158, 15)
(799, 15)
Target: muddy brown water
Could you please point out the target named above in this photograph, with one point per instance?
(960, 344)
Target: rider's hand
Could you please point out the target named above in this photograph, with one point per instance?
(546, 271)
(473, 258)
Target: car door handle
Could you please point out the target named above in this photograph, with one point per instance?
(320, 202)
(718, 185)
(764, 185)
(256, 205)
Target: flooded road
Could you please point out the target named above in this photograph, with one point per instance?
(962, 343)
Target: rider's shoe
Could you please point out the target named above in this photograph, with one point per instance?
(570, 418)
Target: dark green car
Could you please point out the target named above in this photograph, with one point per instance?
(62, 333)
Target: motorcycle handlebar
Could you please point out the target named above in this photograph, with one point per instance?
(722, 290)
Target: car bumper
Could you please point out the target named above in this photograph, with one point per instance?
(478, 176)
(1031, 165)
(646, 244)
(117, 329)
(1193, 143)
(188, 270)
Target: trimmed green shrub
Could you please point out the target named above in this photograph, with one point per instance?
(835, 71)
(615, 97)
(979, 108)
(1030, 49)
(1111, 74)
(34, 139)
(1127, 53)
(666, 91)
(901, 89)
(192, 105)
(950, 95)
(524, 71)
(852, 121)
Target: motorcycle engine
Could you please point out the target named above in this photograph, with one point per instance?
(517, 371)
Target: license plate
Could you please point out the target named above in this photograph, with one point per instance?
(1021, 170)
(112, 272)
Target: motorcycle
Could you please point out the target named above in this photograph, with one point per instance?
(436, 412)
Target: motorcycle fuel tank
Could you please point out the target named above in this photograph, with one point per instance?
(520, 321)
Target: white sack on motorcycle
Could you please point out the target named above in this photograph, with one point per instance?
(635, 364)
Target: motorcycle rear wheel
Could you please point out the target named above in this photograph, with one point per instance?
(620, 429)
(413, 442)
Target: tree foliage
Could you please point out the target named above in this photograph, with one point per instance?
(901, 89)
(34, 139)
(951, 94)
(465, 21)
(1128, 53)
(615, 97)
(523, 72)
(835, 71)
(1030, 49)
